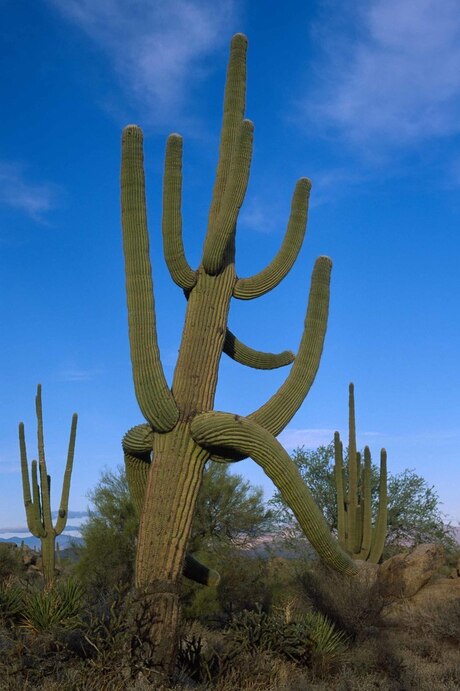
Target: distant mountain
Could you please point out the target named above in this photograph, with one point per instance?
(63, 540)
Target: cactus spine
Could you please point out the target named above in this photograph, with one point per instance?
(37, 504)
(165, 457)
(354, 505)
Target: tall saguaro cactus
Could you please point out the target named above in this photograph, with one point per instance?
(165, 457)
(354, 504)
(37, 503)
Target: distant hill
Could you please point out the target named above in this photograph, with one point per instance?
(64, 541)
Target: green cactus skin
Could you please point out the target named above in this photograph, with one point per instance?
(37, 505)
(354, 506)
(167, 487)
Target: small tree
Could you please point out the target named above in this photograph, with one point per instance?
(414, 514)
(230, 511)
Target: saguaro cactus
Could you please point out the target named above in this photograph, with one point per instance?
(354, 505)
(165, 457)
(37, 504)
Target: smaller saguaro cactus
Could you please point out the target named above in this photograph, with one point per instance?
(37, 503)
(356, 533)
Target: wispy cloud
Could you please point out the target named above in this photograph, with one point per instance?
(391, 75)
(157, 48)
(76, 374)
(16, 191)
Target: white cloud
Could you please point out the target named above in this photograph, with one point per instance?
(33, 199)
(392, 72)
(157, 48)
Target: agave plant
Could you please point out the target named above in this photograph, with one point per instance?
(57, 605)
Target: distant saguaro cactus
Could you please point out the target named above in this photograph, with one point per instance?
(165, 458)
(354, 506)
(37, 504)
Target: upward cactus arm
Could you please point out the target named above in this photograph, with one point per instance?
(254, 358)
(220, 233)
(380, 530)
(224, 430)
(63, 508)
(234, 104)
(366, 501)
(32, 508)
(153, 394)
(281, 407)
(180, 271)
(266, 280)
(339, 488)
(352, 474)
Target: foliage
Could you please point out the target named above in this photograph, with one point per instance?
(414, 515)
(311, 638)
(10, 561)
(11, 601)
(106, 558)
(57, 605)
(229, 511)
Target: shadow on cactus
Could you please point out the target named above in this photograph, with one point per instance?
(165, 458)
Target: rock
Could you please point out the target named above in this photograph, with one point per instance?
(367, 574)
(436, 593)
(403, 575)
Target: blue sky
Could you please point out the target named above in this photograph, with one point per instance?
(363, 98)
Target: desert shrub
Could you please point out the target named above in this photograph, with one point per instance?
(10, 561)
(244, 583)
(352, 605)
(11, 601)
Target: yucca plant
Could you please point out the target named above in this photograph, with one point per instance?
(57, 605)
(11, 600)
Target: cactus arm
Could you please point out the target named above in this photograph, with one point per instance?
(352, 474)
(254, 358)
(281, 407)
(152, 392)
(234, 104)
(64, 505)
(339, 488)
(38, 518)
(32, 507)
(273, 274)
(220, 234)
(380, 531)
(45, 480)
(198, 572)
(366, 501)
(173, 247)
(225, 430)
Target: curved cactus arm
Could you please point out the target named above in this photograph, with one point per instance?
(352, 545)
(221, 232)
(152, 392)
(198, 572)
(173, 246)
(268, 278)
(247, 437)
(366, 502)
(381, 524)
(281, 407)
(255, 358)
(339, 489)
(64, 505)
(234, 104)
